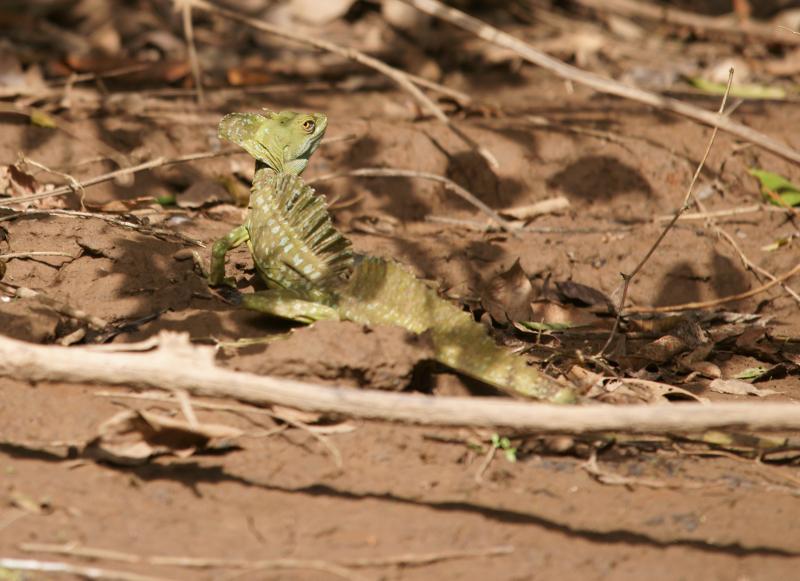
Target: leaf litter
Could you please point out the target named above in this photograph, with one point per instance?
(556, 316)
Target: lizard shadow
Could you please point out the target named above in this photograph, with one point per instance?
(600, 177)
(682, 283)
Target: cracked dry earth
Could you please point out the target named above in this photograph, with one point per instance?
(401, 489)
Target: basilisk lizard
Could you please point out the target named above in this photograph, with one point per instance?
(312, 273)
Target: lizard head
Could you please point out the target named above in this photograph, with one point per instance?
(284, 141)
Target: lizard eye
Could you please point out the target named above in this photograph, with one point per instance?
(309, 125)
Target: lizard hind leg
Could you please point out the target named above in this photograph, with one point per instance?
(287, 304)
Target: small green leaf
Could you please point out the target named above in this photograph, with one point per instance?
(739, 91)
(166, 200)
(778, 185)
(751, 373)
(773, 246)
(42, 119)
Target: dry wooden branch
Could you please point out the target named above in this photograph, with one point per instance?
(176, 364)
(745, 31)
(600, 83)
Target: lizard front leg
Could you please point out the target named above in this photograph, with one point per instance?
(287, 304)
(221, 247)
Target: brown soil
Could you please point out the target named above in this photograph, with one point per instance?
(401, 490)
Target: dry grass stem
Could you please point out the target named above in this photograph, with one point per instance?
(194, 62)
(401, 560)
(176, 364)
(627, 278)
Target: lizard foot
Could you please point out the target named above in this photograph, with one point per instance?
(229, 294)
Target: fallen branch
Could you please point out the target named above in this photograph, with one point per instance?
(177, 365)
(747, 31)
(598, 82)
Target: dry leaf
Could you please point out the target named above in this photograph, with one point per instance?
(581, 293)
(507, 297)
(642, 391)
(379, 224)
(132, 437)
(549, 206)
(316, 12)
(566, 315)
(738, 387)
(705, 368)
(201, 193)
(662, 349)
(16, 182)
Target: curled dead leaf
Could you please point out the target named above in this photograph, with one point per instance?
(507, 297)
(584, 294)
(738, 387)
(133, 437)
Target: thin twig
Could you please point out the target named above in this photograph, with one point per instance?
(152, 164)
(463, 193)
(194, 62)
(752, 265)
(78, 570)
(11, 255)
(176, 364)
(400, 77)
(76, 186)
(401, 560)
(720, 301)
(627, 278)
(484, 227)
(141, 228)
(487, 461)
(705, 215)
(600, 83)
(58, 306)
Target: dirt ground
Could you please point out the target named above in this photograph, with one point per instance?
(407, 503)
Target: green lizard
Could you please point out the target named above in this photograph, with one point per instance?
(312, 273)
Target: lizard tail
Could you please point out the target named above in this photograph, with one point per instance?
(383, 292)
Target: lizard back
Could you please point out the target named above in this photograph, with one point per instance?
(292, 237)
